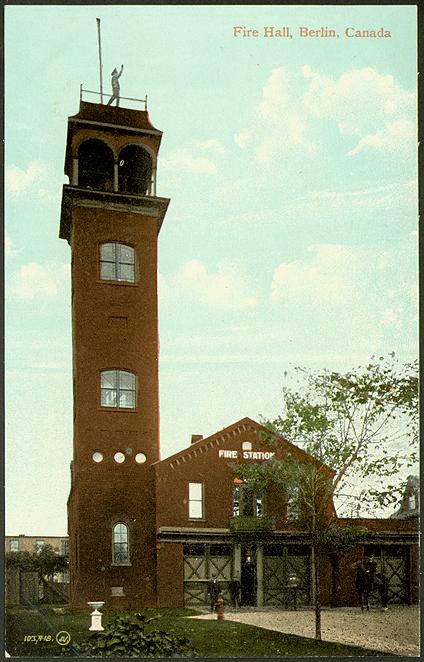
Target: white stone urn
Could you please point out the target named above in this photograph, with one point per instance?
(96, 616)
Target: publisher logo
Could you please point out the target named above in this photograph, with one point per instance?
(63, 638)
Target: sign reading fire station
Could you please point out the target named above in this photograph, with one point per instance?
(246, 455)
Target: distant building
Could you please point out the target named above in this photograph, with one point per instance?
(23, 543)
(23, 586)
(410, 504)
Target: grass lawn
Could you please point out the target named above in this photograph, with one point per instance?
(210, 638)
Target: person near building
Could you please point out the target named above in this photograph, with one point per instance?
(115, 85)
(235, 588)
(382, 584)
(213, 590)
(364, 580)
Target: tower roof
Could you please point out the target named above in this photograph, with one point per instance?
(114, 115)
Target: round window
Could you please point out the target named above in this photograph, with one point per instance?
(119, 457)
(97, 457)
(140, 458)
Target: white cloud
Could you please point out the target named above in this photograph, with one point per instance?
(281, 122)
(362, 283)
(184, 159)
(294, 111)
(19, 181)
(275, 95)
(35, 280)
(366, 104)
(390, 317)
(227, 288)
(357, 100)
(325, 276)
(8, 245)
(395, 136)
(350, 299)
(212, 144)
(243, 138)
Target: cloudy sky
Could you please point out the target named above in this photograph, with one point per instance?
(291, 234)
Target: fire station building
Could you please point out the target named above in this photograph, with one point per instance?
(145, 531)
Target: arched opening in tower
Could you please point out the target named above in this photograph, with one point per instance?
(135, 170)
(95, 165)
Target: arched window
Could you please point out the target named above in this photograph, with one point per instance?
(118, 389)
(135, 170)
(95, 165)
(246, 446)
(117, 262)
(120, 544)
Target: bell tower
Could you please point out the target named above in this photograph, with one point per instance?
(111, 218)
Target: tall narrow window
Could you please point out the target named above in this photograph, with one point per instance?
(246, 502)
(14, 545)
(120, 545)
(236, 500)
(195, 500)
(118, 389)
(117, 262)
(293, 503)
(259, 505)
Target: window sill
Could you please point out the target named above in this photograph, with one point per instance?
(121, 283)
(196, 519)
(121, 565)
(119, 410)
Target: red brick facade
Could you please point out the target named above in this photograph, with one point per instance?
(153, 532)
(115, 327)
(392, 542)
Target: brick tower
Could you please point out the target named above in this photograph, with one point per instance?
(111, 217)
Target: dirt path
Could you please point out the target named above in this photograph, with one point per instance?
(393, 631)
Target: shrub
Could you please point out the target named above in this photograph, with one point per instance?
(132, 636)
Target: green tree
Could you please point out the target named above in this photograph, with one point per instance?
(23, 560)
(337, 541)
(45, 562)
(48, 563)
(362, 423)
(354, 426)
(311, 481)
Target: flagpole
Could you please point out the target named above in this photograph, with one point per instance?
(100, 59)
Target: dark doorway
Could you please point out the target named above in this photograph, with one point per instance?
(135, 170)
(248, 576)
(95, 165)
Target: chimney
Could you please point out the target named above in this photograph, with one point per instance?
(196, 437)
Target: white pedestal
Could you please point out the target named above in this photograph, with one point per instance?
(96, 616)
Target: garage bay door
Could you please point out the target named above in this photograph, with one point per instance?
(280, 562)
(200, 563)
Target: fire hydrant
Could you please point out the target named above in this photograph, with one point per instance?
(220, 608)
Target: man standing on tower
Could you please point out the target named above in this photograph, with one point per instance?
(115, 85)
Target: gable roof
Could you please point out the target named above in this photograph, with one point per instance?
(244, 425)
